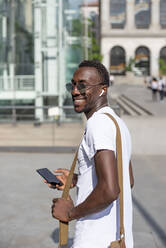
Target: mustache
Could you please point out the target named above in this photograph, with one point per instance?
(78, 98)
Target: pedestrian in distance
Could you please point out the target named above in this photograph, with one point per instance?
(148, 81)
(161, 87)
(154, 87)
(111, 79)
(96, 210)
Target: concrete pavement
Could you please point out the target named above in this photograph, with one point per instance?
(67, 134)
(25, 219)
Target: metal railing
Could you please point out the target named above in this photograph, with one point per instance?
(14, 114)
(20, 83)
(20, 113)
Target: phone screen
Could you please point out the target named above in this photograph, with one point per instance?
(48, 176)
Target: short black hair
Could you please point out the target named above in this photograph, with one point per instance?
(102, 71)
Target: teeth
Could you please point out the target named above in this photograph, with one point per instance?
(78, 100)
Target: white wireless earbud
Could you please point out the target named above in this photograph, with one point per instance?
(101, 93)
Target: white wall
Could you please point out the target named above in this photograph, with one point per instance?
(131, 38)
(130, 45)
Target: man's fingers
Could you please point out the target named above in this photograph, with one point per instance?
(52, 211)
(49, 185)
(59, 177)
(54, 201)
(60, 170)
(60, 187)
(69, 198)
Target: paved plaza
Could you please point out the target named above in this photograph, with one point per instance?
(25, 219)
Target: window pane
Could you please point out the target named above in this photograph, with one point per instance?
(24, 38)
(163, 13)
(163, 54)
(142, 13)
(117, 61)
(117, 13)
(142, 60)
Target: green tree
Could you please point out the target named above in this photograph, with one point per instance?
(130, 64)
(94, 54)
(78, 31)
(94, 51)
(162, 65)
(77, 28)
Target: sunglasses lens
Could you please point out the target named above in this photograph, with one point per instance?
(69, 87)
(81, 87)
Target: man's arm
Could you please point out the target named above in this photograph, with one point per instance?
(107, 188)
(105, 192)
(131, 175)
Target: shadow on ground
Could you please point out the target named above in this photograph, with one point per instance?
(158, 230)
(55, 238)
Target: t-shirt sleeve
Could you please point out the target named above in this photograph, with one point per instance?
(100, 134)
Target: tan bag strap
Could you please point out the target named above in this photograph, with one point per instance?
(120, 170)
(63, 226)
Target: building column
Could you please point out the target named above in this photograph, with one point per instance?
(61, 59)
(130, 15)
(155, 16)
(106, 53)
(38, 63)
(154, 62)
(51, 48)
(130, 54)
(107, 61)
(105, 17)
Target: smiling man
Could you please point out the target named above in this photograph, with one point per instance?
(97, 207)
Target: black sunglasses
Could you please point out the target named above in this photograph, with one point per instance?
(80, 86)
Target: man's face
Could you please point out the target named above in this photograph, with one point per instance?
(85, 102)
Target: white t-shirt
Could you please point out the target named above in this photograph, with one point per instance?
(161, 84)
(154, 85)
(100, 229)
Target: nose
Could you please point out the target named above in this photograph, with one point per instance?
(75, 90)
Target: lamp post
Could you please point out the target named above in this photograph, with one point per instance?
(12, 58)
(86, 33)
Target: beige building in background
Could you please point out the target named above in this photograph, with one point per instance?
(133, 30)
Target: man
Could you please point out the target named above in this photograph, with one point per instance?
(161, 86)
(154, 87)
(111, 79)
(97, 207)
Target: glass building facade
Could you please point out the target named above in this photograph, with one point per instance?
(40, 48)
(16, 35)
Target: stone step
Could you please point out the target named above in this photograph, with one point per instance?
(125, 108)
(130, 107)
(139, 107)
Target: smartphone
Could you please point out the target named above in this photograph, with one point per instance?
(49, 176)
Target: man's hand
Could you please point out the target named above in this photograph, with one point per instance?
(63, 178)
(61, 209)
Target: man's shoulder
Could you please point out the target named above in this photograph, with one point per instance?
(98, 116)
(100, 121)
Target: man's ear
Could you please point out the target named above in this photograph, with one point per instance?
(105, 89)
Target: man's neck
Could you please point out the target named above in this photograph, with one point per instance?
(89, 114)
